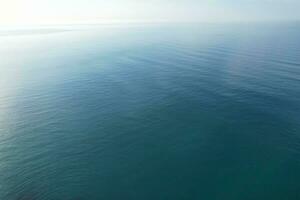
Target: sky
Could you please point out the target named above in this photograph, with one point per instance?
(100, 11)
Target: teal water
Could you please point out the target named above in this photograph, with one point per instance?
(150, 112)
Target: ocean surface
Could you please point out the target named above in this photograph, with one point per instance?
(150, 112)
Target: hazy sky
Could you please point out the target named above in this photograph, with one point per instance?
(90, 11)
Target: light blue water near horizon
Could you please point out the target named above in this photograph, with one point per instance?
(182, 111)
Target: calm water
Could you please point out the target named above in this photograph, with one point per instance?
(150, 112)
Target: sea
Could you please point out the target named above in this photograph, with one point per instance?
(155, 111)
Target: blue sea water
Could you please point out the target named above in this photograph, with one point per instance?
(157, 111)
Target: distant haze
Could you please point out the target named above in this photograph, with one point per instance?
(97, 11)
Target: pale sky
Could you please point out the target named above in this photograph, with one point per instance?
(94, 11)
